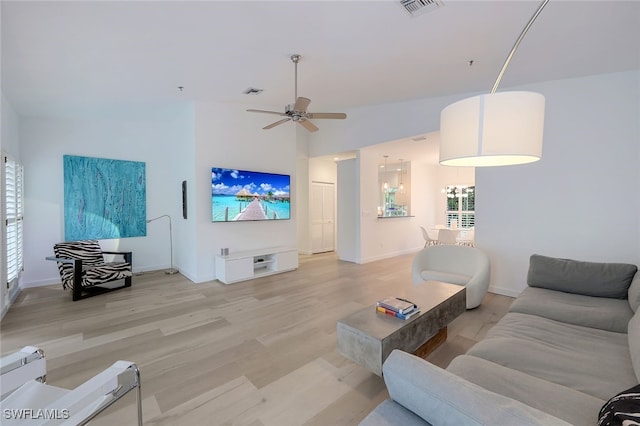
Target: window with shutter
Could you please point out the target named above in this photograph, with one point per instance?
(461, 206)
(13, 218)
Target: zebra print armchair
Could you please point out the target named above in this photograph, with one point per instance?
(83, 269)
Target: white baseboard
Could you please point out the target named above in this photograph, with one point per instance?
(40, 283)
(504, 291)
(56, 280)
(196, 280)
(389, 255)
(11, 300)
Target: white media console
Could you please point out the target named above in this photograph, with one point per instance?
(246, 265)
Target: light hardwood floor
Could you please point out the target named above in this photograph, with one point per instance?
(260, 352)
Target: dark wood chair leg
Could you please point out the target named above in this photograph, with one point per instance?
(77, 279)
(128, 257)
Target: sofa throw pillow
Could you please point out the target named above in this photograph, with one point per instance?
(622, 409)
(588, 278)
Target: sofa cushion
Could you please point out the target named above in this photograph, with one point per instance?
(541, 394)
(634, 343)
(597, 312)
(442, 398)
(634, 293)
(588, 278)
(622, 409)
(592, 361)
(447, 277)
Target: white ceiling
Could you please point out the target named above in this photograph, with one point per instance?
(81, 54)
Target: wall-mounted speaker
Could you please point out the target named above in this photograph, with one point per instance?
(184, 199)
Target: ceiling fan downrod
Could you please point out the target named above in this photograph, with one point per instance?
(297, 111)
(295, 58)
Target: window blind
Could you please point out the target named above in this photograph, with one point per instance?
(13, 207)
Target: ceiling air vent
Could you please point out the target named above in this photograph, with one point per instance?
(420, 7)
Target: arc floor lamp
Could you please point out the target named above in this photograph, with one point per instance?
(496, 129)
(171, 269)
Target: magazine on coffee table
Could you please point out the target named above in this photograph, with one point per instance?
(404, 316)
(396, 304)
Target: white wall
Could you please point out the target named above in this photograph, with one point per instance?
(388, 237)
(302, 203)
(570, 206)
(426, 197)
(371, 125)
(227, 136)
(348, 211)
(302, 181)
(178, 144)
(581, 200)
(184, 231)
(577, 202)
(161, 138)
(9, 139)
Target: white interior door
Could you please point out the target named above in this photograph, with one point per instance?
(322, 213)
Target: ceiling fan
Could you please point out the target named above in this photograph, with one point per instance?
(298, 111)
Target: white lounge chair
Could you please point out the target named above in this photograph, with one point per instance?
(461, 265)
(27, 400)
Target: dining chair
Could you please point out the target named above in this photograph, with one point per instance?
(428, 241)
(448, 236)
(467, 238)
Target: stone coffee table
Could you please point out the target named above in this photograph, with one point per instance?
(367, 337)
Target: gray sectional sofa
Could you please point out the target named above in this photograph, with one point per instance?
(569, 343)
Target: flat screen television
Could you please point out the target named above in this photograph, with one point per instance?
(241, 195)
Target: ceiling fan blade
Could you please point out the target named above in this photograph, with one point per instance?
(308, 125)
(267, 112)
(277, 123)
(337, 115)
(301, 104)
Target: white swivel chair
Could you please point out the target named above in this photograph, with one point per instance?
(428, 241)
(461, 265)
(26, 400)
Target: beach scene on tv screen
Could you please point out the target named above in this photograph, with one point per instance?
(238, 195)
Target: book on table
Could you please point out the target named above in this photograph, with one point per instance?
(396, 304)
(404, 316)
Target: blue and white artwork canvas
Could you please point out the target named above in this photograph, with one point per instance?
(103, 198)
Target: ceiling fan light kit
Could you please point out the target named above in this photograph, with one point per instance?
(496, 129)
(297, 112)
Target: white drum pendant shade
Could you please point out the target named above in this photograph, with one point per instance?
(496, 129)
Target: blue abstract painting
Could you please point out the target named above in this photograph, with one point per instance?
(104, 198)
